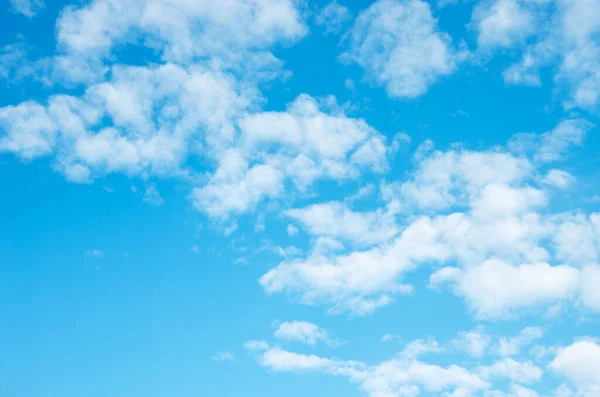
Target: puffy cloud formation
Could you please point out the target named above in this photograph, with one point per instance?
(569, 48)
(399, 45)
(476, 216)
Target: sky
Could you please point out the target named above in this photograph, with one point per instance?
(265, 198)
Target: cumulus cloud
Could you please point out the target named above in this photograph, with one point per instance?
(335, 219)
(490, 289)
(579, 363)
(569, 48)
(399, 45)
(479, 210)
(233, 31)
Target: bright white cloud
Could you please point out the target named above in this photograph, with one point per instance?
(569, 48)
(154, 115)
(236, 187)
(579, 363)
(315, 139)
(335, 219)
(399, 45)
(489, 222)
(490, 290)
(228, 26)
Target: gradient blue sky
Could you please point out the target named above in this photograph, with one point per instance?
(273, 198)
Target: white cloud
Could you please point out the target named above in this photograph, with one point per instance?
(579, 363)
(446, 179)
(305, 332)
(421, 347)
(282, 360)
(333, 17)
(236, 188)
(256, 345)
(315, 139)
(516, 390)
(512, 346)
(335, 219)
(502, 23)
(521, 372)
(490, 289)
(161, 116)
(576, 238)
(360, 281)
(399, 45)
(94, 28)
(15, 62)
(399, 377)
(559, 179)
(590, 279)
(491, 222)
(569, 48)
(475, 342)
(154, 115)
(553, 145)
(29, 8)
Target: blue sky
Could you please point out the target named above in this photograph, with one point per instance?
(391, 198)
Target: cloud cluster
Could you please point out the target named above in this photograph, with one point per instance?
(413, 372)
(476, 217)
(567, 44)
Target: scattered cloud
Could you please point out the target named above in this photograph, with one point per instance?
(29, 8)
(305, 332)
(152, 196)
(512, 347)
(333, 17)
(399, 45)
